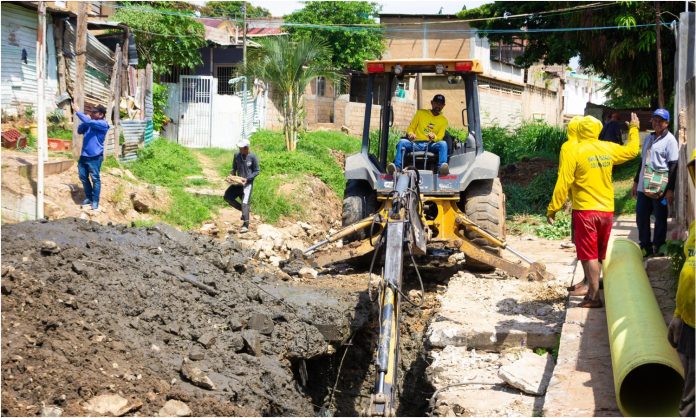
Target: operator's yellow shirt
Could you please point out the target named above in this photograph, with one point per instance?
(586, 171)
(425, 122)
(685, 288)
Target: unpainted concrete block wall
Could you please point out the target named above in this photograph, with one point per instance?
(540, 104)
(500, 108)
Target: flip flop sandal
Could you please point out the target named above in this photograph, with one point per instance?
(579, 291)
(575, 286)
(587, 303)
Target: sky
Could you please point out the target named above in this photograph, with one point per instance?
(283, 7)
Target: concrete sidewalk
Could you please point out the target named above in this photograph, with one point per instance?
(582, 383)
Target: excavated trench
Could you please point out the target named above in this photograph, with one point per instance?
(341, 384)
(155, 314)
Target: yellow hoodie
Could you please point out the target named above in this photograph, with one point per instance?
(571, 142)
(586, 169)
(684, 308)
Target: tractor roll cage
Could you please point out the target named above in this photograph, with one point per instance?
(467, 69)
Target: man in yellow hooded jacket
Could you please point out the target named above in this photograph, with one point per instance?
(681, 329)
(586, 173)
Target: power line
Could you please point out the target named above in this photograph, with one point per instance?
(387, 29)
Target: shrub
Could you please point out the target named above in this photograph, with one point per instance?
(531, 139)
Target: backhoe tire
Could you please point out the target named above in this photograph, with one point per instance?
(359, 201)
(484, 204)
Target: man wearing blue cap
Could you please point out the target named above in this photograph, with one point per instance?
(653, 185)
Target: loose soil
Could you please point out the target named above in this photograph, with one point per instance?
(525, 170)
(111, 311)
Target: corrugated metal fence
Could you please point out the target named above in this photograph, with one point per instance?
(19, 87)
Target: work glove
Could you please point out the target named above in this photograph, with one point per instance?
(674, 331)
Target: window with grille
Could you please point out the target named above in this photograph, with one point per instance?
(321, 86)
(173, 75)
(506, 52)
(224, 74)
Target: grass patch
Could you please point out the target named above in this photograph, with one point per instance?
(197, 182)
(624, 203)
(60, 134)
(189, 211)
(220, 158)
(313, 156)
(165, 163)
(168, 164)
(111, 162)
(119, 194)
(143, 223)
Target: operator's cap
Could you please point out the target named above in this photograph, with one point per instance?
(439, 98)
(243, 143)
(100, 109)
(663, 113)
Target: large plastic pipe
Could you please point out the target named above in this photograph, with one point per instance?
(648, 375)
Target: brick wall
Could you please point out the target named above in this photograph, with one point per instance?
(351, 115)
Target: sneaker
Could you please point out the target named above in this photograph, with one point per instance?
(86, 202)
(647, 252)
(444, 169)
(391, 168)
(243, 230)
(95, 206)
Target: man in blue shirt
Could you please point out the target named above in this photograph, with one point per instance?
(94, 129)
(661, 153)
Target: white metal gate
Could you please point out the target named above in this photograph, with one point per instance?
(196, 110)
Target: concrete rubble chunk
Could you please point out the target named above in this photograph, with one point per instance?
(51, 411)
(174, 408)
(111, 404)
(49, 248)
(207, 339)
(531, 373)
(308, 273)
(261, 323)
(196, 376)
(252, 342)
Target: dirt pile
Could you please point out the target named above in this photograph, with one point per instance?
(150, 315)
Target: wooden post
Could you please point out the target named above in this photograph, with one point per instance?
(80, 64)
(117, 102)
(124, 62)
(147, 87)
(114, 96)
(58, 29)
(658, 46)
(41, 105)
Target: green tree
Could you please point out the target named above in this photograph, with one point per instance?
(164, 36)
(626, 56)
(289, 66)
(233, 9)
(349, 46)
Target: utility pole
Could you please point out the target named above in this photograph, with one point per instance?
(244, 35)
(80, 64)
(658, 45)
(41, 115)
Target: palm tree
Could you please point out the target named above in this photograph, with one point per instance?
(289, 67)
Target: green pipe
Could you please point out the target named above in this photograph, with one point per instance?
(648, 376)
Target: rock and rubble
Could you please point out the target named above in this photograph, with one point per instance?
(91, 312)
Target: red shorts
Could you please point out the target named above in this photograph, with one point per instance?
(592, 229)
